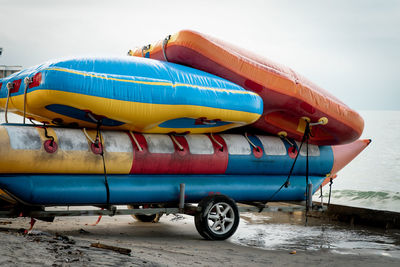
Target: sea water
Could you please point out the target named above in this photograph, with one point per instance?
(371, 180)
(283, 231)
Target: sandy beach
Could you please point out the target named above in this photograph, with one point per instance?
(173, 241)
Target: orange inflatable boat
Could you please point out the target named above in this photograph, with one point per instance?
(289, 99)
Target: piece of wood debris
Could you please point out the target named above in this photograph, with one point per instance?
(125, 251)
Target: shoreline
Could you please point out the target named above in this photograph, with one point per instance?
(172, 242)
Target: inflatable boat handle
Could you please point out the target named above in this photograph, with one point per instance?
(251, 143)
(164, 46)
(136, 141)
(321, 121)
(176, 142)
(27, 82)
(88, 137)
(218, 143)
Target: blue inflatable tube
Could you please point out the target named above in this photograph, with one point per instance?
(51, 190)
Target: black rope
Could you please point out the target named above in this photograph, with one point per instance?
(287, 182)
(31, 120)
(320, 194)
(101, 146)
(330, 191)
(307, 166)
(48, 136)
(307, 171)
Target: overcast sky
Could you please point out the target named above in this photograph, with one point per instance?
(350, 48)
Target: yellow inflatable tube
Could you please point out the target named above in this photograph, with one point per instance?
(21, 144)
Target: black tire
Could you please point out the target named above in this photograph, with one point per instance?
(154, 218)
(221, 212)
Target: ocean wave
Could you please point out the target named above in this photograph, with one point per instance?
(381, 200)
(359, 195)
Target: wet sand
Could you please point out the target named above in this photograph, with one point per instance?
(173, 241)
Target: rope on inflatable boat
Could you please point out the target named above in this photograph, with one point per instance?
(31, 120)
(100, 138)
(330, 191)
(287, 182)
(46, 134)
(99, 142)
(307, 171)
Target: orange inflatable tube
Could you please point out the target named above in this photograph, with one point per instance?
(289, 99)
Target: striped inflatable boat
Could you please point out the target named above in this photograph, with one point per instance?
(288, 96)
(37, 149)
(129, 93)
(61, 166)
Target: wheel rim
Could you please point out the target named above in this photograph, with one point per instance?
(220, 218)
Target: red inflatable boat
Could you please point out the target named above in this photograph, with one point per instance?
(288, 97)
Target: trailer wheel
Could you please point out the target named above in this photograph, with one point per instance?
(217, 217)
(144, 217)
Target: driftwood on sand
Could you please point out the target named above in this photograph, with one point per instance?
(125, 251)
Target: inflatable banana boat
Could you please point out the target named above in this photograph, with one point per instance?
(288, 97)
(61, 166)
(128, 93)
(38, 149)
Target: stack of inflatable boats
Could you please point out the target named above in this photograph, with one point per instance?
(130, 130)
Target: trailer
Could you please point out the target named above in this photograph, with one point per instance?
(216, 217)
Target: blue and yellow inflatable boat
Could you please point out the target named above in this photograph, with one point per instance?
(129, 93)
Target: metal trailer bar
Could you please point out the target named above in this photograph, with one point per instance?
(113, 211)
(65, 213)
